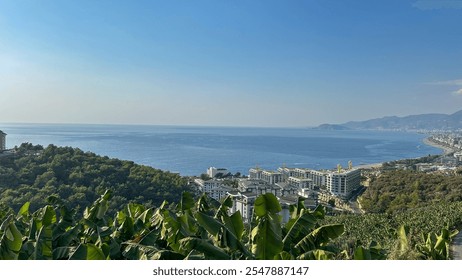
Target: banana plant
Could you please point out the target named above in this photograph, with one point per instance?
(11, 240)
(436, 247)
(202, 229)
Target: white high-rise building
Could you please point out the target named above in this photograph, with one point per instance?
(344, 182)
(2, 141)
(213, 171)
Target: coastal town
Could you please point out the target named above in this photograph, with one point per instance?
(336, 189)
(287, 184)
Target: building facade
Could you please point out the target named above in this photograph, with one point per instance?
(244, 203)
(2, 141)
(343, 183)
(255, 173)
(272, 177)
(213, 171)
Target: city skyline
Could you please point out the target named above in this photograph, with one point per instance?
(230, 63)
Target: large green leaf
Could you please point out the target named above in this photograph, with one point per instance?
(45, 216)
(266, 237)
(266, 204)
(374, 252)
(210, 252)
(98, 209)
(299, 228)
(222, 234)
(403, 233)
(43, 244)
(187, 201)
(210, 224)
(87, 252)
(319, 237)
(62, 253)
(11, 240)
(237, 224)
(24, 210)
(317, 254)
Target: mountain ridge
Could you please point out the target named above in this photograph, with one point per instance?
(432, 121)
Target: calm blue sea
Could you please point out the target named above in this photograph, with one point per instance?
(191, 150)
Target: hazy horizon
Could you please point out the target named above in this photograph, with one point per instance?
(228, 63)
(191, 125)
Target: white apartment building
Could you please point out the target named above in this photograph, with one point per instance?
(301, 183)
(213, 171)
(344, 182)
(259, 187)
(213, 188)
(318, 178)
(287, 172)
(220, 193)
(207, 186)
(244, 202)
(255, 173)
(272, 177)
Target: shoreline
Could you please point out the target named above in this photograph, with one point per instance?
(371, 165)
(445, 149)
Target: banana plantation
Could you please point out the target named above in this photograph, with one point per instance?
(203, 229)
(191, 229)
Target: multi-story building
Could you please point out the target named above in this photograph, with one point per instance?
(301, 183)
(213, 188)
(287, 172)
(255, 173)
(272, 177)
(318, 178)
(219, 193)
(343, 182)
(244, 202)
(2, 141)
(213, 171)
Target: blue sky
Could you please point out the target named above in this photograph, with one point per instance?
(233, 63)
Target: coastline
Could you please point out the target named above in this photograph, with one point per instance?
(371, 165)
(445, 149)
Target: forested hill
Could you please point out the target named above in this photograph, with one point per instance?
(35, 173)
(399, 190)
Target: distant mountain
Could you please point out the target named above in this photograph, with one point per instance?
(413, 122)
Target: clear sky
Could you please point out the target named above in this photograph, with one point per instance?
(233, 63)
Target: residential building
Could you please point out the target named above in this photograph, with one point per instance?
(244, 203)
(301, 183)
(213, 172)
(255, 173)
(2, 141)
(318, 178)
(287, 172)
(220, 192)
(258, 187)
(272, 177)
(343, 182)
(213, 188)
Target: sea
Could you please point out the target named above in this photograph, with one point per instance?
(190, 150)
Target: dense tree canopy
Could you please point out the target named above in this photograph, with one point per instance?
(402, 189)
(35, 173)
